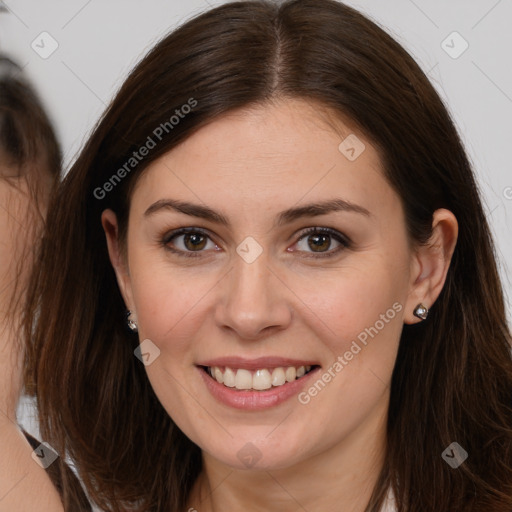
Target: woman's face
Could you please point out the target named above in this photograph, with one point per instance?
(248, 290)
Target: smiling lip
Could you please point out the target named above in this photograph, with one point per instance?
(251, 399)
(256, 364)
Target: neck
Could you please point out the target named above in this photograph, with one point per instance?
(341, 478)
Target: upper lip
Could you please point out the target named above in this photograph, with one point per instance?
(257, 363)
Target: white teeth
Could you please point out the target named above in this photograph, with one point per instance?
(278, 377)
(218, 375)
(291, 374)
(229, 378)
(243, 379)
(260, 379)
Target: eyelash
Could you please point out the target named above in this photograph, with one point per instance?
(342, 239)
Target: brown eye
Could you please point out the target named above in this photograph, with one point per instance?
(320, 240)
(194, 241)
(187, 241)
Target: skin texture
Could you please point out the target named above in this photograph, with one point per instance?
(250, 165)
(24, 486)
(14, 204)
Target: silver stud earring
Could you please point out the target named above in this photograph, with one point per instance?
(421, 311)
(131, 323)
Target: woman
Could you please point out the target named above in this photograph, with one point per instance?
(30, 169)
(267, 282)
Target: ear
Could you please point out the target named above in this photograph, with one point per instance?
(117, 258)
(430, 263)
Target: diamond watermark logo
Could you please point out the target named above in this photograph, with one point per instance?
(351, 147)
(249, 455)
(44, 455)
(454, 45)
(147, 352)
(44, 45)
(454, 455)
(249, 250)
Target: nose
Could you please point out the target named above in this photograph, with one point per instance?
(253, 300)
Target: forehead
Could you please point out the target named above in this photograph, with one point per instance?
(270, 155)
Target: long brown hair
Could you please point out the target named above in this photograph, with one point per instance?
(30, 163)
(453, 375)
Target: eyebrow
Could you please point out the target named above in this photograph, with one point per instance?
(284, 217)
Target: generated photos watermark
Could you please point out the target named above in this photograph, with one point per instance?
(343, 360)
(151, 142)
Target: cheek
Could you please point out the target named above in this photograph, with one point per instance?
(168, 307)
(363, 314)
(354, 299)
(169, 314)
(18, 225)
(166, 292)
(362, 309)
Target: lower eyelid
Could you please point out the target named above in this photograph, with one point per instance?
(325, 254)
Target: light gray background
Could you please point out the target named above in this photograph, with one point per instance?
(100, 41)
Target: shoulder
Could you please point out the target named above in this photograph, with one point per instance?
(61, 476)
